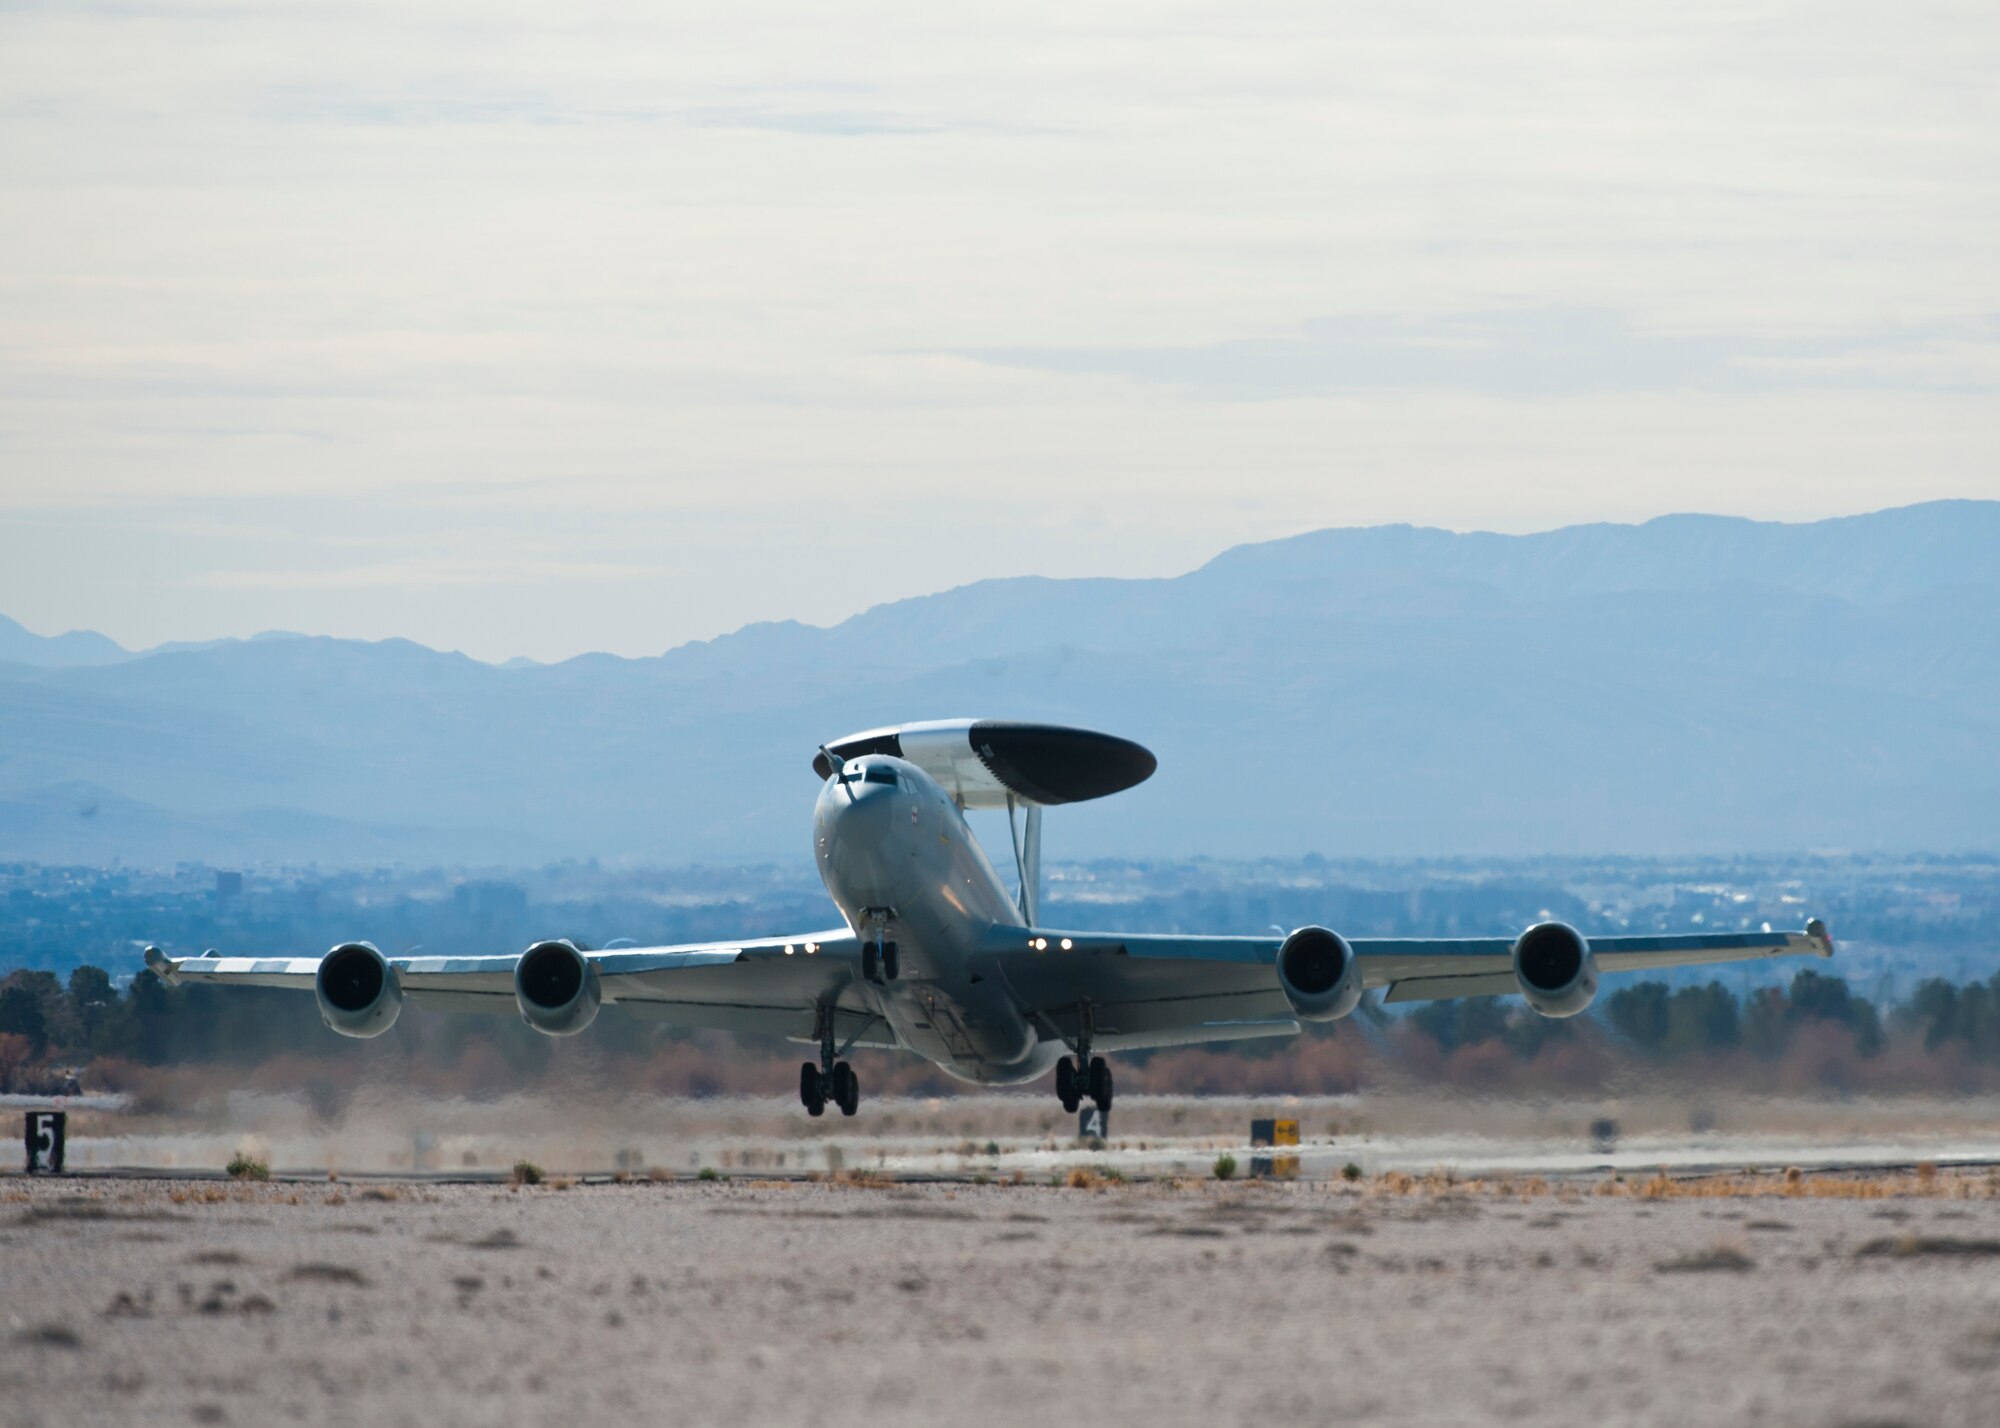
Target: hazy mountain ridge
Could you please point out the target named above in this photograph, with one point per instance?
(1690, 683)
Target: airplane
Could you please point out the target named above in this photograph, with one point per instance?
(935, 956)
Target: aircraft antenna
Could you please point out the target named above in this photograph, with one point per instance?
(837, 770)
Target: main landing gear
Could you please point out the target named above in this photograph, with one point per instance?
(817, 1087)
(830, 1080)
(1073, 1086)
(1083, 1075)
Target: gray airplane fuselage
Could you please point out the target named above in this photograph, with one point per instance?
(895, 852)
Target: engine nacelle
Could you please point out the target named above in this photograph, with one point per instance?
(1319, 975)
(359, 993)
(1556, 973)
(556, 988)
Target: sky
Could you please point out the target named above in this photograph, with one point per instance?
(536, 329)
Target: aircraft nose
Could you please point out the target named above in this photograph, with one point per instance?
(869, 807)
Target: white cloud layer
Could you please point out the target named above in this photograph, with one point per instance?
(532, 329)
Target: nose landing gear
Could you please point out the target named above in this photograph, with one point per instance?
(879, 960)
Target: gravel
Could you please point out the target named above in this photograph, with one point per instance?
(686, 1302)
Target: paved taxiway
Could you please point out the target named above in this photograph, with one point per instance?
(693, 1302)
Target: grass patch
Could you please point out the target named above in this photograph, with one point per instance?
(50, 1336)
(1721, 1257)
(1350, 1172)
(247, 1167)
(1225, 1166)
(1945, 1246)
(526, 1172)
(320, 1272)
(708, 1172)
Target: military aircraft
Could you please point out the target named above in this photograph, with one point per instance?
(935, 956)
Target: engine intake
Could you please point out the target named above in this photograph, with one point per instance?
(358, 991)
(1556, 973)
(556, 988)
(1318, 973)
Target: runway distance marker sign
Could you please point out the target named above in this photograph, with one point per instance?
(44, 1137)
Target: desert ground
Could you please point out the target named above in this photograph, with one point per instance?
(1774, 1298)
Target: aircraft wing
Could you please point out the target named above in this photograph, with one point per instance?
(1168, 991)
(766, 987)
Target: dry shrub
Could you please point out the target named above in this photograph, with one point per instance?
(1905, 1246)
(1794, 1183)
(1082, 1177)
(1721, 1256)
(862, 1179)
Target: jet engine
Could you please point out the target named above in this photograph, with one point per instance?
(1317, 970)
(358, 991)
(556, 988)
(1557, 974)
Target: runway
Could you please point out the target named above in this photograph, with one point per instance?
(728, 1302)
(383, 1132)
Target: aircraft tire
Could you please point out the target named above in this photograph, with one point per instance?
(1067, 1091)
(868, 962)
(812, 1089)
(846, 1088)
(892, 965)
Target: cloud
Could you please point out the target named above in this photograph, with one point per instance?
(413, 574)
(299, 295)
(1540, 352)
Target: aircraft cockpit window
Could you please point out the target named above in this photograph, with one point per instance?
(880, 773)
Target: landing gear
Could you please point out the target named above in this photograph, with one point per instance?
(879, 961)
(1084, 1075)
(1072, 1085)
(830, 1080)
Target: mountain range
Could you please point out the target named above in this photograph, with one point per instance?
(1693, 683)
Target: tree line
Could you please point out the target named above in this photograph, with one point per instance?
(48, 1025)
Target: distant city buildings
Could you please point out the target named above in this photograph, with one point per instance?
(1897, 920)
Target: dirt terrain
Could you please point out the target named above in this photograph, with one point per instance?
(721, 1302)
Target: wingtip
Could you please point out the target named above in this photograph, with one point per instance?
(1816, 930)
(162, 965)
